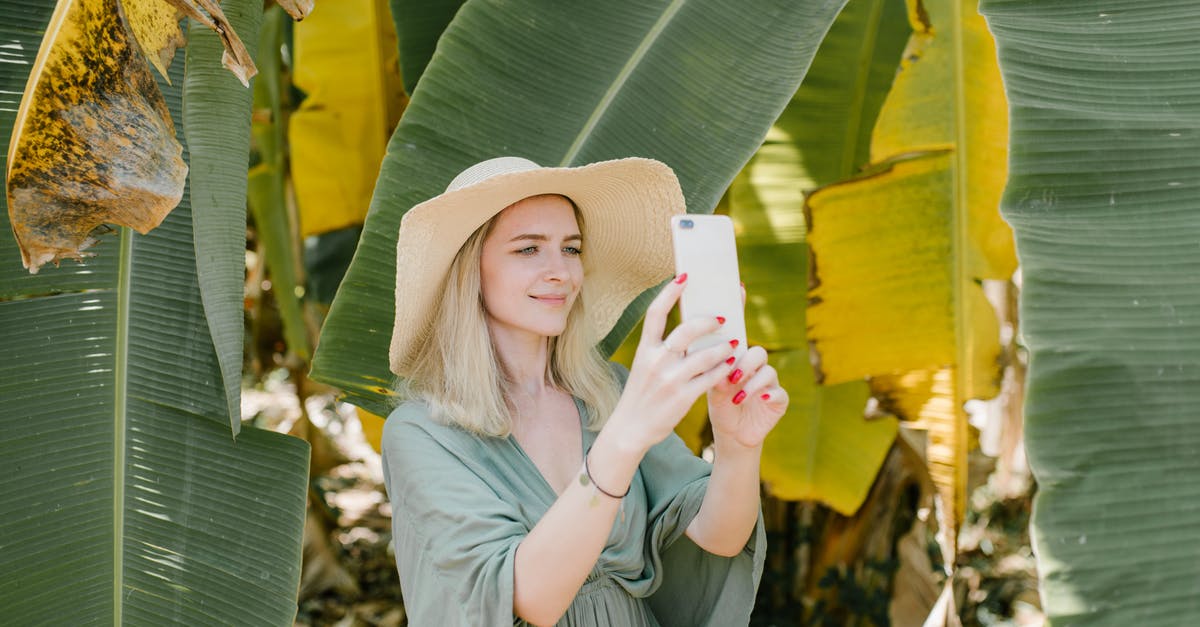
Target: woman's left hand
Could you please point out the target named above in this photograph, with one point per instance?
(745, 406)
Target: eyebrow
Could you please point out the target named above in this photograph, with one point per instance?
(542, 238)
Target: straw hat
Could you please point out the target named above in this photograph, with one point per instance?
(626, 206)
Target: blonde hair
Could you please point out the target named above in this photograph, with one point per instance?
(456, 370)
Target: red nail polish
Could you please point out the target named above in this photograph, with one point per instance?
(733, 343)
(766, 397)
(731, 360)
(721, 319)
(735, 375)
(739, 397)
(681, 278)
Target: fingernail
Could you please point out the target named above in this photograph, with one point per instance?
(739, 397)
(681, 278)
(735, 375)
(766, 397)
(721, 319)
(731, 360)
(733, 343)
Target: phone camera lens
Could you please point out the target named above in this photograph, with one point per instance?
(686, 224)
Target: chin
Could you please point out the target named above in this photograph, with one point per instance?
(553, 330)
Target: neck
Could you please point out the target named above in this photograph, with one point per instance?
(523, 357)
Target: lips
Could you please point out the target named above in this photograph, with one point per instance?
(550, 299)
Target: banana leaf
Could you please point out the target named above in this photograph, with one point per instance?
(824, 450)
(72, 168)
(568, 83)
(1104, 197)
(345, 62)
(900, 251)
(126, 500)
(419, 25)
(216, 123)
(824, 135)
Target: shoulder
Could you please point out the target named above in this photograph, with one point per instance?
(409, 419)
(412, 433)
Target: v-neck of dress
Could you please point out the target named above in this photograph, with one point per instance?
(584, 442)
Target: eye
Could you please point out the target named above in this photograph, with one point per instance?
(572, 250)
(528, 250)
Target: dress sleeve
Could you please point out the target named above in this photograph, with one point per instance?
(694, 587)
(454, 537)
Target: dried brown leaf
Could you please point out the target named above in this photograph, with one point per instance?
(298, 9)
(235, 58)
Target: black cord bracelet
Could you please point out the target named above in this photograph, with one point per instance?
(588, 473)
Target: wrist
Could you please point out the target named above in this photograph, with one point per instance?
(625, 436)
(729, 448)
(613, 458)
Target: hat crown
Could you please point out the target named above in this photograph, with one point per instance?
(487, 169)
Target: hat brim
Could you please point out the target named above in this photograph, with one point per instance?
(626, 206)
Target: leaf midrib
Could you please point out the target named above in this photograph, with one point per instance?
(960, 215)
(859, 97)
(610, 94)
(120, 398)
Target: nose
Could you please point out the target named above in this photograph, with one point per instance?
(556, 268)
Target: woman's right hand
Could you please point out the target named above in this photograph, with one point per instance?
(664, 382)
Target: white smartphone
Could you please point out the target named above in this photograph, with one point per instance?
(706, 251)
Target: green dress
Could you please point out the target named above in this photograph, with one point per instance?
(461, 504)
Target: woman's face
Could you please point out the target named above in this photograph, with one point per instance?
(530, 268)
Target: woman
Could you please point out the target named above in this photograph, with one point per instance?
(530, 480)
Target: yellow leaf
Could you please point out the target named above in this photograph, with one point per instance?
(372, 428)
(93, 141)
(823, 449)
(929, 397)
(155, 24)
(886, 298)
(347, 62)
(900, 253)
(948, 95)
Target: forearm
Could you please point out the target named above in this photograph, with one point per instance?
(553, 561)
(731, 502)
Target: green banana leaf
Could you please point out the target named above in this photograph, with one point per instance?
(216, 123)
(125, 499)
(419, 25)
(1104, 198)
(568, 83)
(824, 135)
(824, 450)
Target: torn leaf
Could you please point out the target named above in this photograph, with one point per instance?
(93, 142)
(155, 24)
(235, 58)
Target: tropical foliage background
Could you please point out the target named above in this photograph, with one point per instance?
(860, 146)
